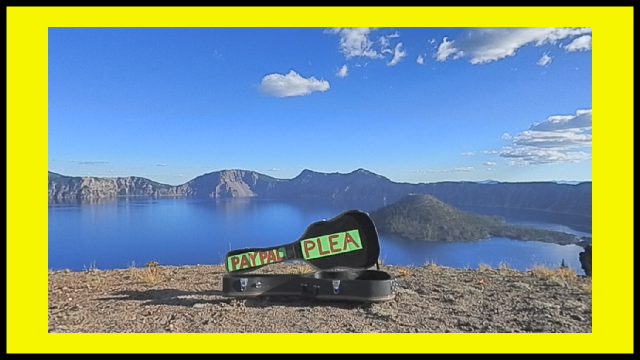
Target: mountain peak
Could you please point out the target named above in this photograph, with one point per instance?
(362, 171)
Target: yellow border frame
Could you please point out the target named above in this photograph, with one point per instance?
(27, 134)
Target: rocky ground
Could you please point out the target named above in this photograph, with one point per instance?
(430, 298)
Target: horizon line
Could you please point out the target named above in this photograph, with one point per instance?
(338, 173)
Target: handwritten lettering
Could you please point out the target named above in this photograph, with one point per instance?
(333, 244)
(254, 259)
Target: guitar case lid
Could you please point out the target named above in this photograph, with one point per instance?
(349, 240)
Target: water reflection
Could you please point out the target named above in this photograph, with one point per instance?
(201, 231)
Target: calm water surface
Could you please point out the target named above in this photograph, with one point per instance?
(188, 232)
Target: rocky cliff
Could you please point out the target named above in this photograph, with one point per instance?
(67, 188)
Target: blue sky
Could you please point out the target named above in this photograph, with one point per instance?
(412, 104)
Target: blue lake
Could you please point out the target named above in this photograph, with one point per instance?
(120, 233)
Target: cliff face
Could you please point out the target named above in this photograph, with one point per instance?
(230, 183)
(358, 185)
(66, 188)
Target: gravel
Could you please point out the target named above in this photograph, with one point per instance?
(429, 299)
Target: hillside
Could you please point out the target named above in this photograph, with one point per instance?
(423, 217)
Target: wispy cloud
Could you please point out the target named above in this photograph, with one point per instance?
(274, 169)
(489, 163)
(342, 72)
(554, 140)
(161, 164)
(492, 151)
(583, 43)
(526, 156)
(384, 40)
(452, 170)
(355, 42)
(291, 84)
(398, 54)
(506, 136)
(544, 60)
(484, 45)
(468, 153)
(85, 162)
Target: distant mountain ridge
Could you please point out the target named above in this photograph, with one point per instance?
(360, 184)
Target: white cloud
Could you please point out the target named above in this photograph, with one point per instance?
(445, 49)
(161, 164)
(343, 71)
(554, 140)
(579, 122)
(291, 84)
(432, 41)
(420, 60)
(582, 43)
(468, 153)
(489, 163)
(274, 169)
(490, 151)
(355, 42)
(506, 136)
(544, 60)
(398, 54)
(485, 45)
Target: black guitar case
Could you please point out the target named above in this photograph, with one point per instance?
(349, 285)
(348, 241)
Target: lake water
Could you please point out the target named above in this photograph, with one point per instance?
(120, 233)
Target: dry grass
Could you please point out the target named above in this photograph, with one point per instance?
(431, 265)
(151, 274)
(562, 273)
(403, 271)
(484, 267)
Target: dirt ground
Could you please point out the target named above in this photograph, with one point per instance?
(430, 299)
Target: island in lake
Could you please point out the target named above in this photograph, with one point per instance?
(423, 217)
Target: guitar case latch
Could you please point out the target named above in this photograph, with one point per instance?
(306, 291)
(336, 286)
